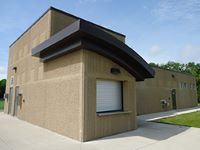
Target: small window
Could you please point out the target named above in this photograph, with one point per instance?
(108, 96)
(180, 85)
(185, 84)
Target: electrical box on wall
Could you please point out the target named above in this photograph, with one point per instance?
(6, 96)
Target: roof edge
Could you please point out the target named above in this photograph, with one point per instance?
(93, 37)
(184, 73)
(30, 26)
(61, 11)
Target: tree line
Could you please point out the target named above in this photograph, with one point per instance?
(2, 88)
(191, 67)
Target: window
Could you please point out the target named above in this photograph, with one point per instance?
(185, 84)
(180, 85)
(108, 96)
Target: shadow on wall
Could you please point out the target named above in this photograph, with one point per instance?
(71, 61)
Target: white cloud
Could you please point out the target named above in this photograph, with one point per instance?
(177, 10)
(190, 53)
(155, 50)
(155, 54)
(3, 72)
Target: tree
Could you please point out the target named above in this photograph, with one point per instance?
(2, 87)
(173, 66)
(153, 64)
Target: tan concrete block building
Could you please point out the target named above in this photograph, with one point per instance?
(81, 80)
(74, 77)
(168, 90)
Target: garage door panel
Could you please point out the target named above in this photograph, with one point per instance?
(108, 95)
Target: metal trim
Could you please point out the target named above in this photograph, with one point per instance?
(92, 38)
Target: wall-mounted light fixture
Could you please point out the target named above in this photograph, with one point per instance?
(15, 69)
(115, 71)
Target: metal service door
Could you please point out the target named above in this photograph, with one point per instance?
(173, 92)
(16, 100)
(10, 100)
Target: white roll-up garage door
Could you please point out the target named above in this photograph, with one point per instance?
(108, 95)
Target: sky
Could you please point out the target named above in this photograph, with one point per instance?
(158, 30)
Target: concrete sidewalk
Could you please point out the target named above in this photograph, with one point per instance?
(20, 135)
(155, 116)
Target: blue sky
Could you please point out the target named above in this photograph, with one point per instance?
(159, 30)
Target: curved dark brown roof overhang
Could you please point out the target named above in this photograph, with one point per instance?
(83, 34)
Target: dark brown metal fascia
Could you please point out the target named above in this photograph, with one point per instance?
(82, 30)
(103, 36)
(62, 51)
(109, 54)
(57, 38)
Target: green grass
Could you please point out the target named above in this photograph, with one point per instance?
(190, 120)
(1, 104)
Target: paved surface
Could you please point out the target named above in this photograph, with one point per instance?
(155, 116)
(19, 135)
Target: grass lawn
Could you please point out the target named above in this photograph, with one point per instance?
(1, 104)
(191, 120)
